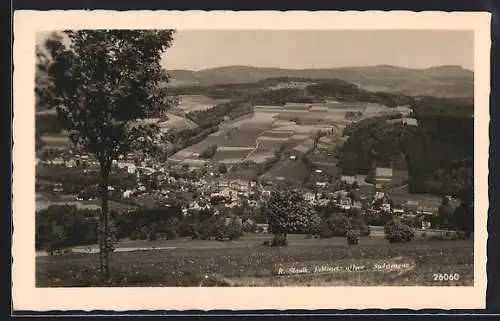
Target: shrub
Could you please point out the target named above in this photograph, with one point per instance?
(352, 237)
(172, 228)
(389, 227)
(171, 234)
(134, 236)
(397, 232)
(365, 230)
(206, 230)
(249, 227)
(361, 226)
(233, 230)
(338, 224)
(414, 222)
(377, 218)
(153, 236)
(325, 232)
(314, 225)
(279, 240)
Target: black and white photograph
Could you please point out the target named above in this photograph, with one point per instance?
(198, 157)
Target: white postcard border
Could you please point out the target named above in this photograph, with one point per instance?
(27, 297)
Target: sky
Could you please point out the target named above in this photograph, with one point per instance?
(300, 49)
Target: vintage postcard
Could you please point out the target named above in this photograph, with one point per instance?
(250, 160)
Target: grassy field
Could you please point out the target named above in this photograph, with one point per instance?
(291, 169)
(247, 263)
(189, 103)
(57, 141)
(222, 155)
(242, 138)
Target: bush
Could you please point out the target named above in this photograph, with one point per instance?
(219, 230)
(206, 230)
(377, 218)
(279, 240)
(397, 232)
(134, 236)
(361, 226)
(325, 232)
(365, 230)
(233, 230)
(414, 222)
(153, 236)
(314, 225)
(352, 237)
(172, 228)
(249, 227)
(338, 224)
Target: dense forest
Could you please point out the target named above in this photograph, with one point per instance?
(344, 91)
(439, 152)
(375, 141)
(318, 89)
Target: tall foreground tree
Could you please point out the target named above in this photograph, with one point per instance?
(103, 82)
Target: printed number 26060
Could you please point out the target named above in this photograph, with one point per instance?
(446, 276)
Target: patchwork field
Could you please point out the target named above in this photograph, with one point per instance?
(257, 135)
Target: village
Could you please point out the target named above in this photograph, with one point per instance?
(211, 186)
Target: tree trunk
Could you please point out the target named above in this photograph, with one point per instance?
(104, 226)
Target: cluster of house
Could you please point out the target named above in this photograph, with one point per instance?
(68, 159)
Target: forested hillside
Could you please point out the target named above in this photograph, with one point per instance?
(439, 151)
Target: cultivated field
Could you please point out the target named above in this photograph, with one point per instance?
(189, 103)
(242, 138)
(294, 170)
(247, 263)
(224, 155)
(255, 137)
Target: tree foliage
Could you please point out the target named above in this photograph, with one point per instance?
(289, 212)
(58, 227)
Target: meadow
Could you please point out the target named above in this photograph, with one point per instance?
(57, 141)
(289, 169)
(248, 263)
(189, 103)
(224, 155)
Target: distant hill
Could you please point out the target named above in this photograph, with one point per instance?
(442, 81)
